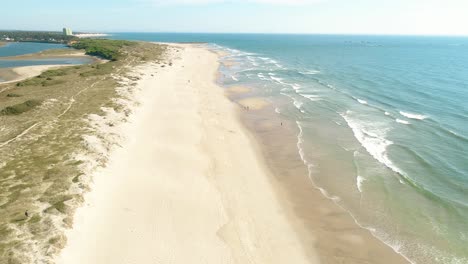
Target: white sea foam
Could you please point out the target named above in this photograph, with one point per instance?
(280, 66)
(312, 97)
(310, 72)
(372, 138)
(296, 86)
(262, 77)
(413, 115)
(239, 53)
(300, 141)
(298, 104)
(268, 60)
(402, 121)
(387, 113)
(278, 80)
(359, 181)
(234, 78)
(364, 102)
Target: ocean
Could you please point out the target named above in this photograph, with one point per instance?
(382, 125)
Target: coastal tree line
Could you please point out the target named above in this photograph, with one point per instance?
(104, 48)
(36, 36)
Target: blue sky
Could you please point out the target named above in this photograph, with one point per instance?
(426, 17)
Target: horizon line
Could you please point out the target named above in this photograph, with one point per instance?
(251, 33)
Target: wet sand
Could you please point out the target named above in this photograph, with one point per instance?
(254, 103)
(322, 224)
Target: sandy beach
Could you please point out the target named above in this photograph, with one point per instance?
(91, 35)
(190, 184)
(187, 186)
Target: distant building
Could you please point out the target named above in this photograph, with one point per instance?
(67, 31)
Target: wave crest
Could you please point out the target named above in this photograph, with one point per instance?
(413, 115)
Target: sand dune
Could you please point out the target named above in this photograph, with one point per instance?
(22, 73)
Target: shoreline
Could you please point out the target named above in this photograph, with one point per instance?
(278, 140)
(247, 197)
(316, 213)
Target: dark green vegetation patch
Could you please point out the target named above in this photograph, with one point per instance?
(104, 48)
(20, 108)
(99, 69)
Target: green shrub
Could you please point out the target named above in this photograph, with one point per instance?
(50, 82)
(53, 73)
(20, 108)
(99, 69)
(104, 48)
(30, 82)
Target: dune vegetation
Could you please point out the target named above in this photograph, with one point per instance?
(43, 123)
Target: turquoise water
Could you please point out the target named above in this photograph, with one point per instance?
(382, 126)
(22, 48)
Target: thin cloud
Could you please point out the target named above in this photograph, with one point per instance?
(203, 2)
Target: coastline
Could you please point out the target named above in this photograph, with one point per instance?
(320, 222)
(187, 186)
(247, 197)
(339, 238)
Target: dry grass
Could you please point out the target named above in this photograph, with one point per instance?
(38, 172)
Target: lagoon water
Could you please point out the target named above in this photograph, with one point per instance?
(22, 48)
(382, 124)
(21, 63)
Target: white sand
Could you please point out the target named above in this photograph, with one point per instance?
(188, 186)
(90, 35)
(26, 72)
